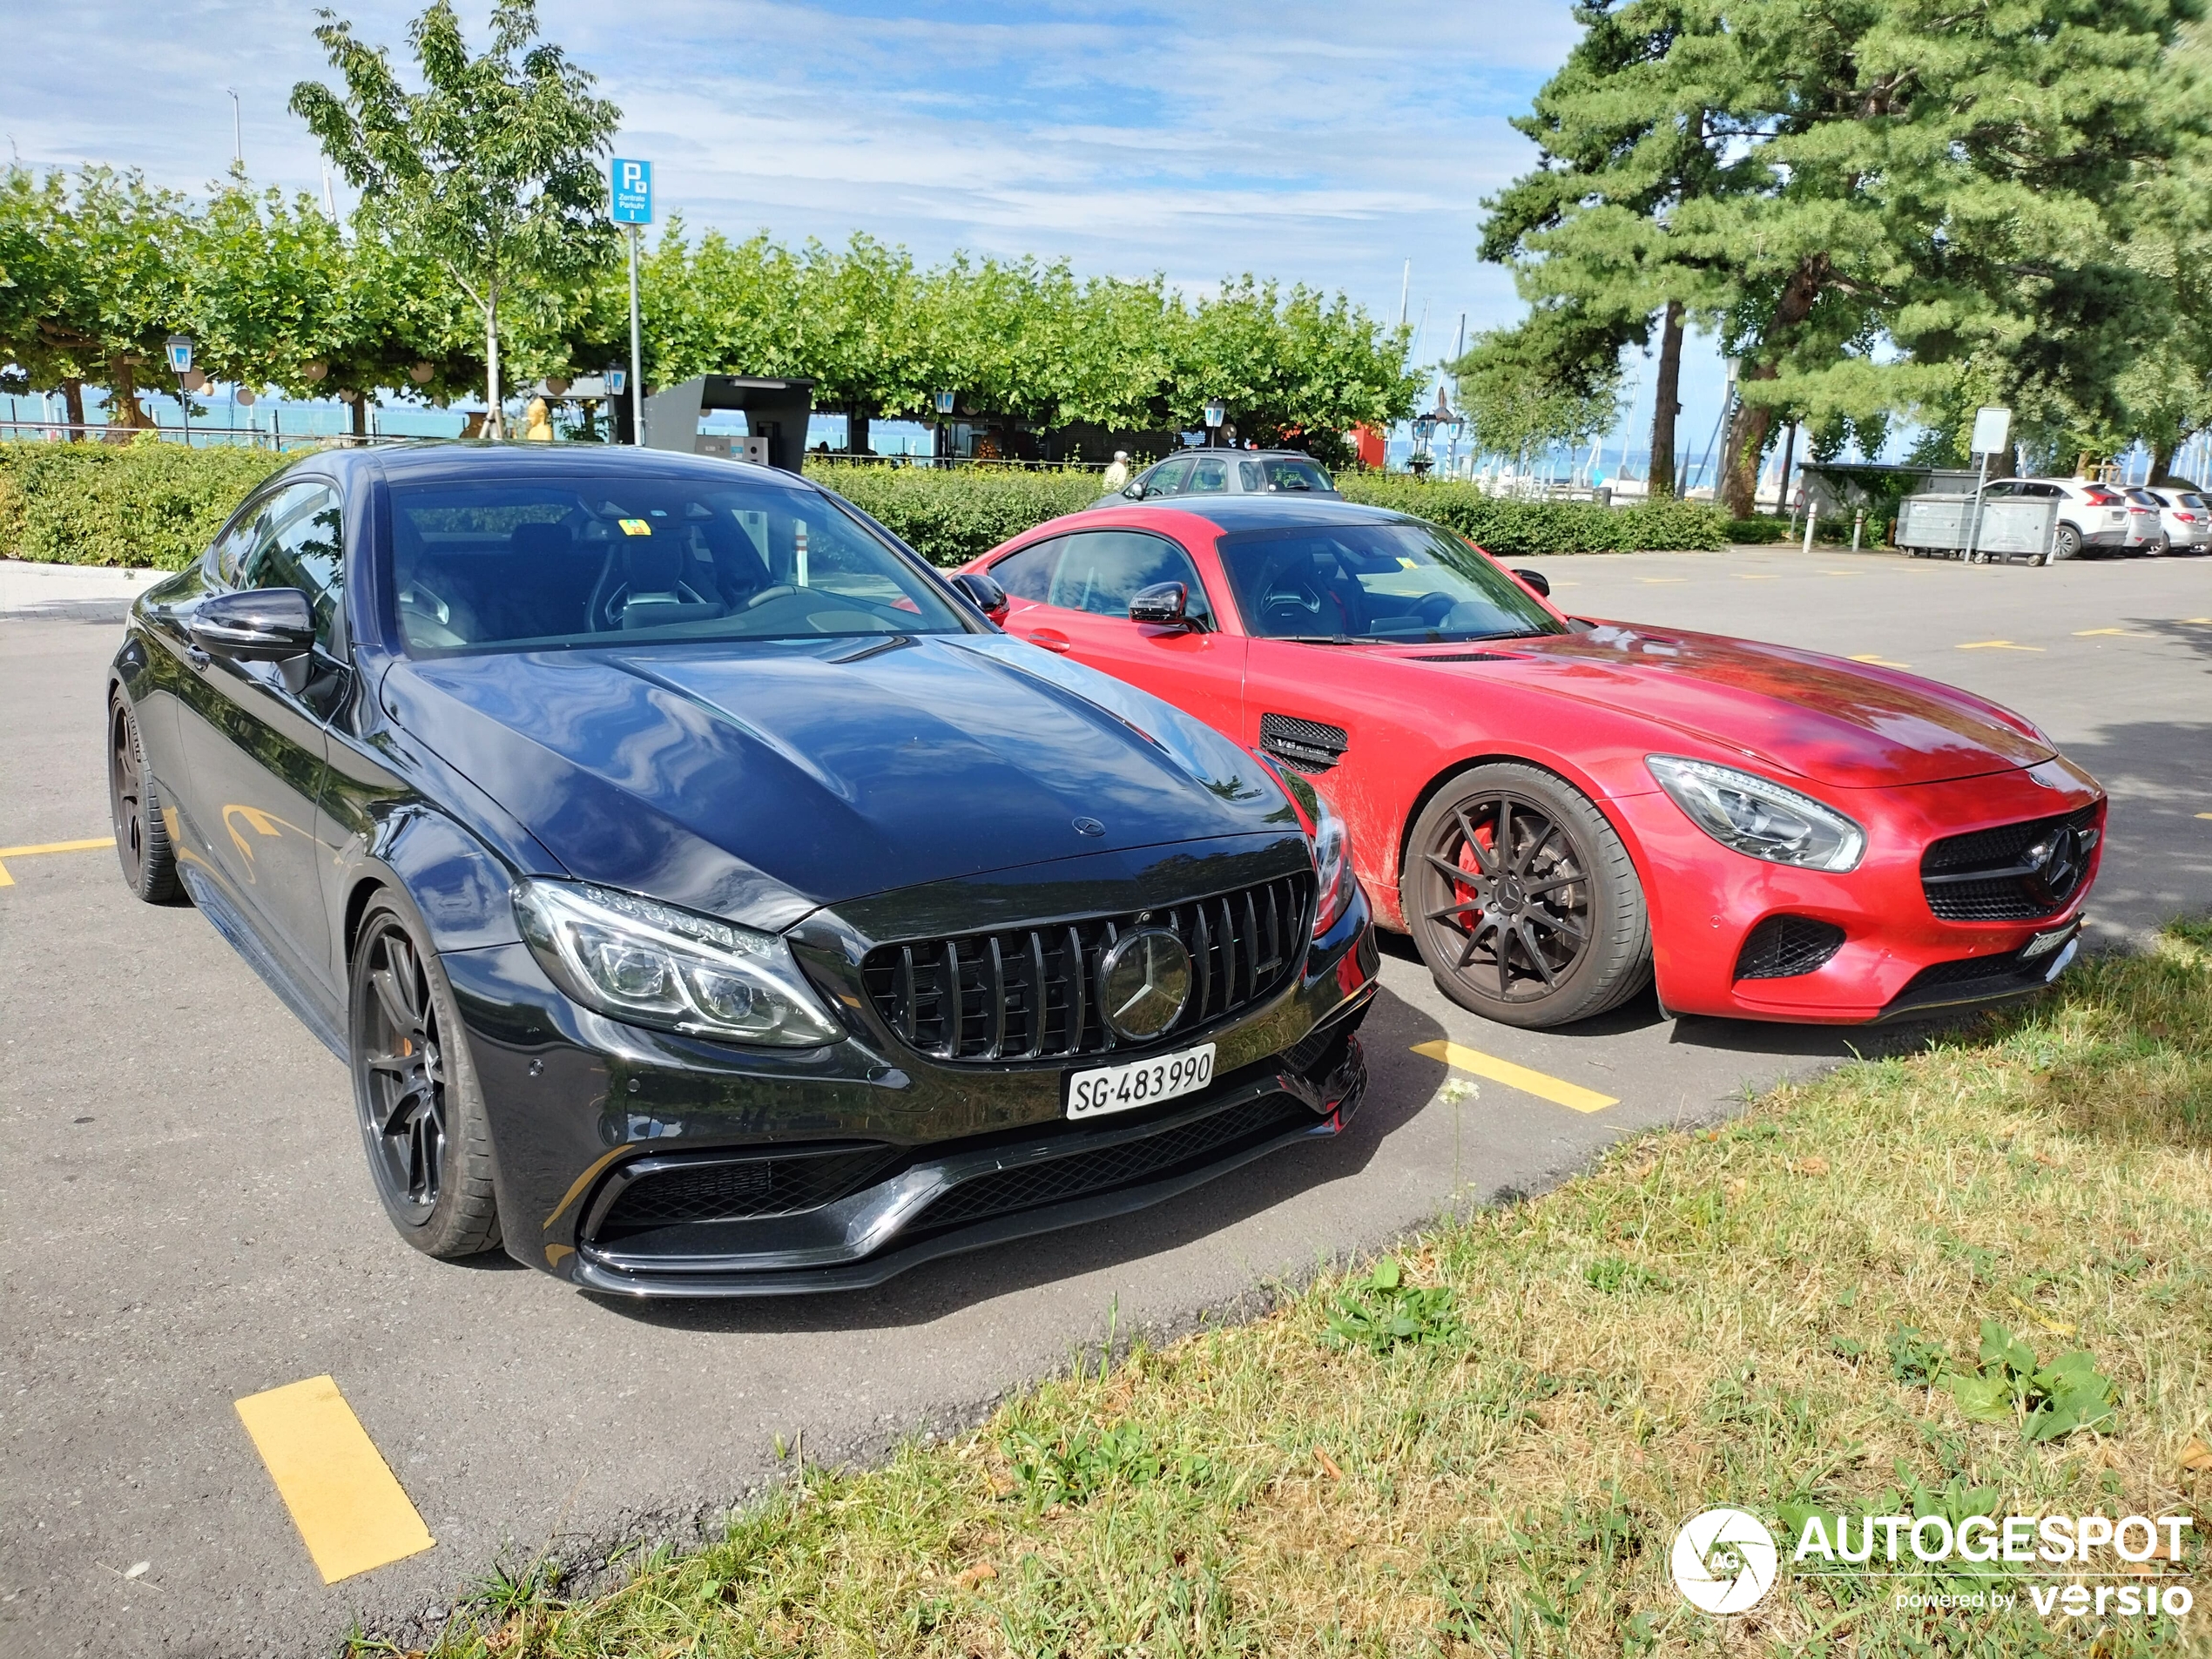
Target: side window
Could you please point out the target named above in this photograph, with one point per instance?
(1250, 476)
(1167, 479)
(1101, 570)
(1028, 575)
(256, 524)
(1209, 476)
(303, 548)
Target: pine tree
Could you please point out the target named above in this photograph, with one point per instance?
(1624, 132)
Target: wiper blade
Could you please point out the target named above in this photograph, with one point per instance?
(1325, 639)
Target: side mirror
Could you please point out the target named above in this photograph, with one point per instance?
(257, 625)
(1134, 490)
(1537, 580)
(1163, 602)
(984, 593)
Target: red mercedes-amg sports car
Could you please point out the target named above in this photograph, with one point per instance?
(1558, 809)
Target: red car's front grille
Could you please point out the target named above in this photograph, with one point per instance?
(1994, 874)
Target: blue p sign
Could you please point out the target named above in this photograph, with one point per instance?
(633, 192)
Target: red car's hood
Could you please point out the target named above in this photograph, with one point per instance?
(1834, 722)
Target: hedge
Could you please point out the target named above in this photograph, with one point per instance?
(155, 504)
(1522, 528)
(951, 515)
(145, 504)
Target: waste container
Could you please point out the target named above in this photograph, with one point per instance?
(2003, 529)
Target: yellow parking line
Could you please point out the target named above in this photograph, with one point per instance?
(7, 852)
(1843, 573)
(1555, 1089)
(1879, 662)
(1757, 575)
(2207, 815)
(2091, 633)
(349, 1509)
(1997, 644)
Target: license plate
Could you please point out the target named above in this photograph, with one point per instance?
(1142, 1082)
(2044, 943)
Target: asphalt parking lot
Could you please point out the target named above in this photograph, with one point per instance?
(189, 1222)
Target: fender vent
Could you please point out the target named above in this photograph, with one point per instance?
(1784, 947)
(1306, 744)
(1465, 657)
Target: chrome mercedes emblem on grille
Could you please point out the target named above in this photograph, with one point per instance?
(2054, 864)
(1144, 982)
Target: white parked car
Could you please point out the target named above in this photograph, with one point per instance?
(2092, 516)
(2183, 516)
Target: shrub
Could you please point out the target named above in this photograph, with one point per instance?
(146, 504)
(1519, 528)
(1751, 531)
(950, 515)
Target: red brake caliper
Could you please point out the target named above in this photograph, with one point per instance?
(1485, 835)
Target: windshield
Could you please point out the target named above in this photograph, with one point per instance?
(592, 559)
(1273, 472)
(1355, 581)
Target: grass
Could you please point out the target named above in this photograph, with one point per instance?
(1864, 1290)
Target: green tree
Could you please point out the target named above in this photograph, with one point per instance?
(1555, 378)
(495, 166)
(95, 284)
(1624, 132)
(1947, 196)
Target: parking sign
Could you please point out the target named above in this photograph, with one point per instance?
(633, 195)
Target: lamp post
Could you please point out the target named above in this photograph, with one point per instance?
(179, 349)
(1217, 418)
(945, 402)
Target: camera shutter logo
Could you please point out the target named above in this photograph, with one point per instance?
(1723, 1561)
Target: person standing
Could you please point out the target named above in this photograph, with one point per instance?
(1115, 475)
(537, 422)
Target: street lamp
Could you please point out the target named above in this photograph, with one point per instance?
(179, 349)
(1217, 418)
(945, 401)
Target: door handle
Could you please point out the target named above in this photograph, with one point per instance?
(1051, 639)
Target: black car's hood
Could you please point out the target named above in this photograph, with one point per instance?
(759, 781)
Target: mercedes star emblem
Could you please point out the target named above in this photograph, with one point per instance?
(1143, 983)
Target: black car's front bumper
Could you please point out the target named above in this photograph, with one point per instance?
(898, 1157)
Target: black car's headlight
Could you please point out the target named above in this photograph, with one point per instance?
(652, 964)
(1334, 881)
(1756, 816)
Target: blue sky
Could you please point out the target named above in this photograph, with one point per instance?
(1315, 143)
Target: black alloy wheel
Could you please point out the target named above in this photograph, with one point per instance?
(141, 837)
(1523, 900)
(422, 1121)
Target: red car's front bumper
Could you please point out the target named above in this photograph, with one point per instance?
(1897, 955)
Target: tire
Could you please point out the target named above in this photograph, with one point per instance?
(422, 1118)
(134, 807)
(1518, 962)
(2066, 543)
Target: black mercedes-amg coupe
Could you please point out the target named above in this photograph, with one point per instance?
(707, 898)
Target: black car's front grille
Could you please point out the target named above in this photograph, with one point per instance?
(1308, 745)
(1121, 1165)
(1032, 992)
(1784, 947)
(1998, 874)
(743, 1189)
